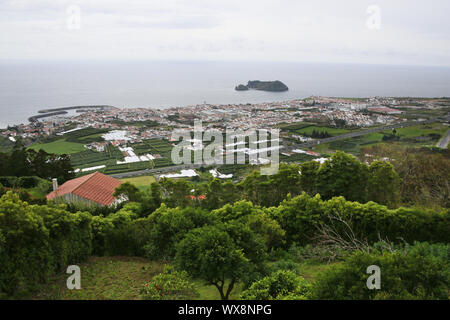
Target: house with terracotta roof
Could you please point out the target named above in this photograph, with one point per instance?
(94, 189)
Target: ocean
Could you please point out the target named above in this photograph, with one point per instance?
(26, 87)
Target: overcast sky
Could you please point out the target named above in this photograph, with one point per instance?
(415, 32)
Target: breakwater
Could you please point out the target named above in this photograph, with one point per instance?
(44, 113)
(35, 118)
(73, 108)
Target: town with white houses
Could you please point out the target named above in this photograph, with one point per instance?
(126, 129)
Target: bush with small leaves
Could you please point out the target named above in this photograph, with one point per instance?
(420, 271)
(280, 285)
(169, 285)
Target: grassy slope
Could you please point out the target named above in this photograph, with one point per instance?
(115, 278)
(141, 183)
(121, 278)
(104, 278)
(355, 144)
(416, 131)
(59, 147)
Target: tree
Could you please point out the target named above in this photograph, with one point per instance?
(151, 199)
(168, 226)
(259, 222)
(308, 177)
(4, 164)
(27, 162)
(176, 192)
(271, 190)
(424, 174)
(211, 254)
(230, 194)
(256, 188)
(61, 167)
(129, 191)
(343, 175)
(213, 195)
(19, 165)
(383, 185)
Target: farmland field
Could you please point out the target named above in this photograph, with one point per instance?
(59, 147)
(142, 182)
(419, 130)
(90, 158)
(153, 146)
(415, 136)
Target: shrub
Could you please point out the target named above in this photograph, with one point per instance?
(169, 226)
(23, 182)
(281, 285)
(121, 233)
(115, 233)
(70, 235)
(26, 254)
(301, 215)
(169, 285)
(9, 182)
(284, 264)
(417, 272)
(28, 182)
(37, 241)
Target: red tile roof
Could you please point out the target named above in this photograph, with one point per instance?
(95, 187)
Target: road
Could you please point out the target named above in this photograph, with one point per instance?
(443, 143)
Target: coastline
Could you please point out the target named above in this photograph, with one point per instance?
(44, 113)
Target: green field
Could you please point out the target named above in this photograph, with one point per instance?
(142, 182)
(59, 147)
(294, 126)
(153, 146)
(92, 137)
(414, 136)
(422, 130)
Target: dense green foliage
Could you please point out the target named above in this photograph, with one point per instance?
(271, 190)
(301, 215)
(421, 271)
(37, 241)
(425, 174)
(251, 234)
(215, 254)
(22, 162)
(168, 226)
(344, 175)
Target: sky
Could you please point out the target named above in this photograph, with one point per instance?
(402, 32)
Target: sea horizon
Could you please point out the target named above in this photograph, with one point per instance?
(29, 86)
